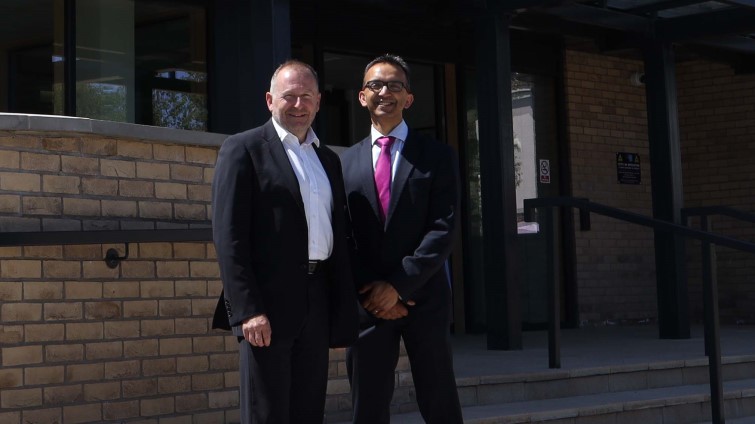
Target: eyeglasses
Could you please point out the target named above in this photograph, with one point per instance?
(377, 86)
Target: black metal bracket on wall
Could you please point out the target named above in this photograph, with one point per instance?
(112, 256)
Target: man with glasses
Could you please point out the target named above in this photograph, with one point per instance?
(402, 190)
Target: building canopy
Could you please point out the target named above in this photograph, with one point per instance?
(722, 30)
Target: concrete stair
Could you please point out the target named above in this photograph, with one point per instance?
(669, 392)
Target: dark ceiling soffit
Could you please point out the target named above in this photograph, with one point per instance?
(724, 29)
(685, 28)
(507, 6)
(657, 6)
(600, 17)
(554, 25)
(613, 43)
(742, 3)
(741, 63)
(735, 44)
(711, 24)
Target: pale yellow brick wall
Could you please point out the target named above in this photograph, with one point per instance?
(717, 123)
(84, 343)
(607, 114)
(615, 260)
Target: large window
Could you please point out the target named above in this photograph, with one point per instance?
(135, 60)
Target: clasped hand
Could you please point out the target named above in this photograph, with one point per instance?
(382, 300)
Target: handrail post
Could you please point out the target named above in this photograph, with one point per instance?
(554, 293)
(711, 333)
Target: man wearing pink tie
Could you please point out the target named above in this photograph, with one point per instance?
(403, 196)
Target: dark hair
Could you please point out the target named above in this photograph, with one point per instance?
(392, 59)
(294, 63)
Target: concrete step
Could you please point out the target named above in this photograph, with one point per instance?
(586, 381)
(687, 404)
(743, 420)
(675, 389)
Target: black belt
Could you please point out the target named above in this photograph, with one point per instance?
(316, 267)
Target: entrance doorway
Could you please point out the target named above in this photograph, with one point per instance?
(537, 171)
(342, 122)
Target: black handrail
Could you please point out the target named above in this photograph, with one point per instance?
(585, 206)
(710, 292)
(51, 238)
(710, 295)
(717, 210)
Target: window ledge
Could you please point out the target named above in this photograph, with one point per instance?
(55, 123)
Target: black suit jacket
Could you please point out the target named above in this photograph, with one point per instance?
(260, 235)
(410, 250)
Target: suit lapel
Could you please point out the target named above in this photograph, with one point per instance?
(409, 155)
(367, 177)
(280, 159)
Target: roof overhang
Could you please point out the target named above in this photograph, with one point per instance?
(721, 29)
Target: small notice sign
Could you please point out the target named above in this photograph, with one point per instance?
(545, 171)
(628, 168)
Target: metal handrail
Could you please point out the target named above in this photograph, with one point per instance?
(710, 291)
(112, 257)
(710, 294)
(717, 210)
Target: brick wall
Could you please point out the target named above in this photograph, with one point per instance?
(615, 260)
(717, 127)
(607, 114)
(84, 343)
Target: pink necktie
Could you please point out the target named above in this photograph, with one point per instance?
(383, 174)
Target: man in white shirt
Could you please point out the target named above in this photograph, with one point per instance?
(279, 227)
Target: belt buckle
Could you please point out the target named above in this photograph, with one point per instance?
(312, 267)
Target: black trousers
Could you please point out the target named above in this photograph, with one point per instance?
(371, 364)
(285, 383)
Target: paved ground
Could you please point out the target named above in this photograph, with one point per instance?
(592, 347)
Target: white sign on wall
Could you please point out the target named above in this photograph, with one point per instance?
(545, 171)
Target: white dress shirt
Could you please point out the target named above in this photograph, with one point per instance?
(399, 133)
(315, 190)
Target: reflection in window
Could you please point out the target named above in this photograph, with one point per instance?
(101, 100)
(172, 71)
(525, 152)
(136, 60)
(105, 60)
(179, 109)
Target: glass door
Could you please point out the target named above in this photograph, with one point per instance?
(536, 168)
(537, 171)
